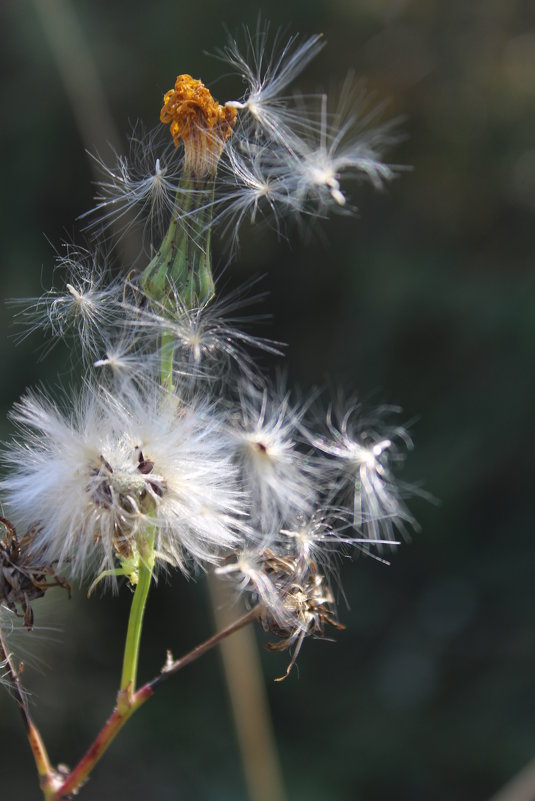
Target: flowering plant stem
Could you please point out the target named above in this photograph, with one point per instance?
(135, 621)
(190, 273)
(130, 702)
(166, 369)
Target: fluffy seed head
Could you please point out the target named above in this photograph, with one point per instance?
(92, 487)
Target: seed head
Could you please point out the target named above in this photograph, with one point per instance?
(23, 576)
(92, 486)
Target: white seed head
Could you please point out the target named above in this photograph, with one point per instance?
(91, 485)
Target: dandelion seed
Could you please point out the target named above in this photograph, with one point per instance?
(280, 476)
(87, 306)
(254, 183)
(209, 339)
(324, 538)
(268, 69)
(362, 455)
(129, 357)
(347, 143)
(140, 189)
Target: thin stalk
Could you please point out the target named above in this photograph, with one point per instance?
(173, 666)
(167, 360)
(135, 621)
(128, 703)
(40, 756)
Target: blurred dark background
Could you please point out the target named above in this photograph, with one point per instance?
(424, 300)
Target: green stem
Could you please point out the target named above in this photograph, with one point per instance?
(135, 621)
(167, 359)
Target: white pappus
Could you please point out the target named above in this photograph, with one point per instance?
(90, 486)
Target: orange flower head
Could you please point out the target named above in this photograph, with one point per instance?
(200, 121)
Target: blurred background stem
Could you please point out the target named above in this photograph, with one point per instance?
(84, 89)
(248, 700)
(520, 788)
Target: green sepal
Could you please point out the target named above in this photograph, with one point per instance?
(182, 265)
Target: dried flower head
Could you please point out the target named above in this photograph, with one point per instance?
(294, 595)
(199, 121)
(23, 577)
(307, 600)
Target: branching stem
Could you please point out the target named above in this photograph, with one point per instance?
(173, 666)
(129, 702)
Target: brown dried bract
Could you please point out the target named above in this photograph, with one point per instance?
(308, 599)
(22, 577)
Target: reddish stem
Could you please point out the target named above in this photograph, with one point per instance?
(42, 762)
(174, 666)
(126, 706)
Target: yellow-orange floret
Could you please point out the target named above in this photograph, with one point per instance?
(199, 121)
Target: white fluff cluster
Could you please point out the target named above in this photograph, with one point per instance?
(92, 485)
(176, 438)
(221, 466)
